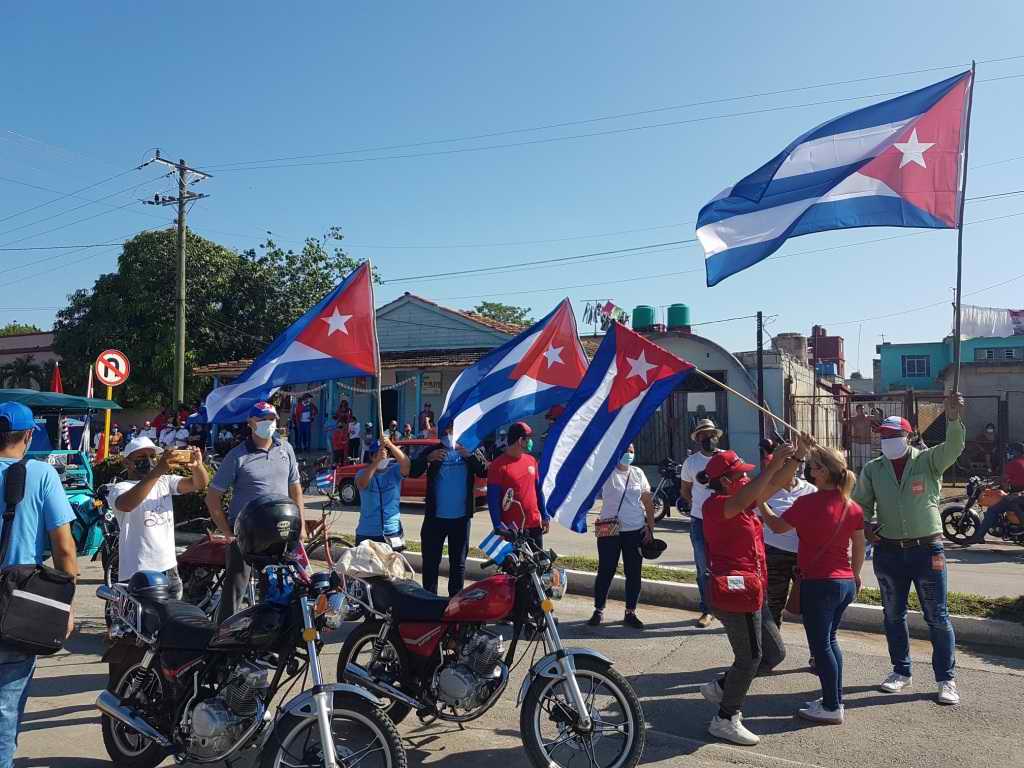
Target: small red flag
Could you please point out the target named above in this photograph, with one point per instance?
(56, 385)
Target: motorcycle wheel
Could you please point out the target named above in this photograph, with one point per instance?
(363, 736)
(358, 649)
(128, 749)
(959, 525)
(618, 735)
(108, 559)
(661, 509)
(334, 545)
(348, 494)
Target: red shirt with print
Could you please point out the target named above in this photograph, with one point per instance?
(736, 544)
(816, 517)
(519, 474)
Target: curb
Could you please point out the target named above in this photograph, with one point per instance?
(971, 631)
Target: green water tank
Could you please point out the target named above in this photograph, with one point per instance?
(643, 317)
(678, 315)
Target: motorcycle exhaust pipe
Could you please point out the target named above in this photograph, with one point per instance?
(111, 705)
(359, 676)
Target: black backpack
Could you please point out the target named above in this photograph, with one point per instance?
(35, 600)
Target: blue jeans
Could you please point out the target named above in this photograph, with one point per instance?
(823, 602)
(925, 567)
(15, 674)
(305, 431)
(700, 560)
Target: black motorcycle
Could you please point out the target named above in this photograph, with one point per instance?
(180, 685)
(666, 492)
(961, 518)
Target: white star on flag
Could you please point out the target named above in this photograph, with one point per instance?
(913, 150)
(639, 367)
(337, 322)
(553, 354)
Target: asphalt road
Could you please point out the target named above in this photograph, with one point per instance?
(666, 664)
(992, 569)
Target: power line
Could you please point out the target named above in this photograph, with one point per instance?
(64, 195)
(72, 194)
(70, 224)
(58, 247)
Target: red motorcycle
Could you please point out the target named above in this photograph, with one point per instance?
(446, 659)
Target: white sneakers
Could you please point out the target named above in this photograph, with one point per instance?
(815, 712)
(948, 694)
(732, 730)
(712, 692)
(895, 683)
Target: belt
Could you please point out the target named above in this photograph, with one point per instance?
(908, 543)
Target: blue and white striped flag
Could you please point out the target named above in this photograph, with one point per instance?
(495, 547)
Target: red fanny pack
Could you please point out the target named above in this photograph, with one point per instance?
(738, 592)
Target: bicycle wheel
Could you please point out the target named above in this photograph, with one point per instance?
(319, 549)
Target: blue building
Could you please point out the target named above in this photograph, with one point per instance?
(921, 365)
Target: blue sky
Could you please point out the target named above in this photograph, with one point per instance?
(88, 92)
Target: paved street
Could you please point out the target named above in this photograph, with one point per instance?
(666, 664)
(992, 569)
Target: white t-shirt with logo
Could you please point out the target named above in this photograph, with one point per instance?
(181, 438)
(627, 508)
(692, 467)
(779, 502)
(147, 532)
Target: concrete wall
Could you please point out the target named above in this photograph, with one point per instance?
(38, 345)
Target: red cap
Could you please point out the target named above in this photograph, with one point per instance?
(894, 426)
(726, 463)
(518, 431)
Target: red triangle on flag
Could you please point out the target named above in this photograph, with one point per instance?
(555, 357)
(639, 364)
(344, 329)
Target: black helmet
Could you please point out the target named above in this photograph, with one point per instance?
(150, 585)
(266, 529)
(652, 549)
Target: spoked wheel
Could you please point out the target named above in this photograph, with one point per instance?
(959, 525)
(358, 649)
(661, 509)
(333, 545)
(127, 748)
(363, 736)
(549, 725)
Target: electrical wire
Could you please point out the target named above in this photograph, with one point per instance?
(58, 247)
(63, 196)
(71, 194)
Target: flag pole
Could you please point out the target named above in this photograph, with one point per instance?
(960, 237)
(376, 348)
(746, 399)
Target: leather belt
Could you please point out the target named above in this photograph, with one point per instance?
(908, 543)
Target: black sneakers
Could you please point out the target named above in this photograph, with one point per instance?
(630, 620)
(595, 620)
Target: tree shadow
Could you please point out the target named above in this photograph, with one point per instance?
(66, 685)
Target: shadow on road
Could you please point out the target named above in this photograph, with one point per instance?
(67, 685)
(60, 762)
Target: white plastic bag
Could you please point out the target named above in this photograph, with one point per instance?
(373, 558)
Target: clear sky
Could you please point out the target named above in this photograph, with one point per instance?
(90, 89)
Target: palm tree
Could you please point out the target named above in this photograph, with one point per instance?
(22, 373)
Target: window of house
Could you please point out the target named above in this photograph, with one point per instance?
(999, 353)
(916, 365)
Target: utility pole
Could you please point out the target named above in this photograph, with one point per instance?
(184, 197)
(760, 373)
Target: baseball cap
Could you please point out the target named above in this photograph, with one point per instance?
(518, 431)
(894, 425)
(138, 444)
(15, 417)
(261, 410)
(726, 463)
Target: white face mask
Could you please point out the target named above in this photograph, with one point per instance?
(264, 429)
(894, 447)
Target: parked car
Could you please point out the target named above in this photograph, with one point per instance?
(412, 487)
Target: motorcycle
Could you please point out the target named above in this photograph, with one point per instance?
(961, 519)
(180, 685)
(446, 659)
(666, 492)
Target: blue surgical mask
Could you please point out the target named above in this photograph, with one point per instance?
(264, 429)
(627, 458)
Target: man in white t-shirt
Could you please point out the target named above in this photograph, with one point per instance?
(148, 430)
(145, 512)
(706, 435)
(167, 435)
(181, 437)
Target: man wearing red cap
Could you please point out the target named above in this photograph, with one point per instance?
(516, 470)
(899, 492)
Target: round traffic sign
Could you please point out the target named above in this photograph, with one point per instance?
(112, 367)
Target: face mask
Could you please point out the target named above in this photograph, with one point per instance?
(264, 429)
(708, 444)
(627, 458)
(144, 466)
(529, 444)
(894, 447)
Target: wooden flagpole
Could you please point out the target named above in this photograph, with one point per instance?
(960, 237)
(745, 399)
(376, 347)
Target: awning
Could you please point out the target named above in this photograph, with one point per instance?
(42, 402)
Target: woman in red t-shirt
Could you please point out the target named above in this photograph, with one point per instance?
(826, 523)
(739, 573)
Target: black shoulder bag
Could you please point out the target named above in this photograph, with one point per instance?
(35, 600)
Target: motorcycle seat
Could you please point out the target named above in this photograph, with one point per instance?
(182, 625)
(407, 600)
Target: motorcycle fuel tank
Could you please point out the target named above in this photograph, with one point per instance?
(488, 600)
(257, 627)
(208, 552)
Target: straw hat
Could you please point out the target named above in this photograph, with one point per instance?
(705, 425)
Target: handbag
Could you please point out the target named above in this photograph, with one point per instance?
(739, 591)
(35, 600)
(604, 528)
(793, 601)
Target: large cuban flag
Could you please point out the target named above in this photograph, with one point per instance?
(537, 369)
(894, 164)
(628, 379)
(333, 340)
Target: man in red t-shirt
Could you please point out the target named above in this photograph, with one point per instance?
(517, 470)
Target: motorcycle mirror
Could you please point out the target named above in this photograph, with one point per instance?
(506, 502)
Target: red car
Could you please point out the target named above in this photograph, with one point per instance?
(412, 487)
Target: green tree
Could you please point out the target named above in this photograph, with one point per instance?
(22, 373)
(504, 313)
(14, 327)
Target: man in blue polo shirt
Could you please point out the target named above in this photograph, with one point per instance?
(41, 520)
(380, 494)
(263, 464)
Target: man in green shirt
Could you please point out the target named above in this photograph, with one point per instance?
(899, 492)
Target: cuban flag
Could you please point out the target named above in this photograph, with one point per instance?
(628, 379)
(496, 548)
(894, 164)
(537, 369)
(336, 339)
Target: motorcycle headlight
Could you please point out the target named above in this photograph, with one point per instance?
(331, 607)
(555, 582)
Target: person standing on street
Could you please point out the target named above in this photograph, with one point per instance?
(369, 443)
(148, 430)
(355, 440)
(450, 503)
(899, 493)
(626, 522)
(860, 438)
(517, 470)
(706, 435)
(263, 464)
(181, 435)
(304, 416)
(42, 521)
(339, 443)
(167, 434)
(380, 495)
(145, 511)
